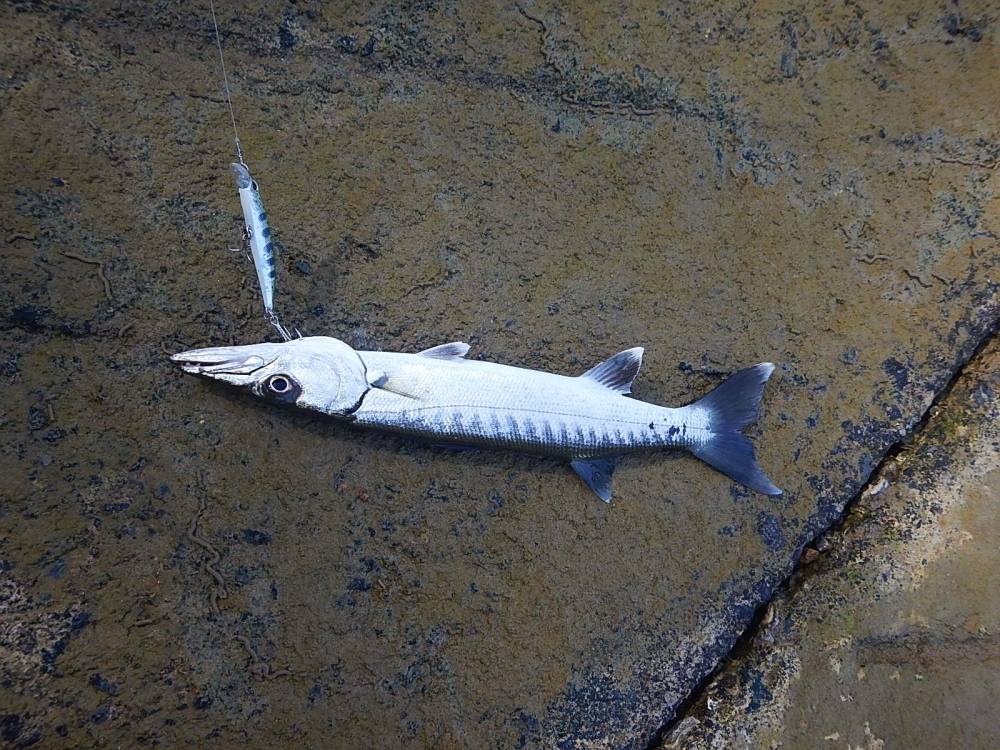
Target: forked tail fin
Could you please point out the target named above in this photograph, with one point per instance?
(727, 410)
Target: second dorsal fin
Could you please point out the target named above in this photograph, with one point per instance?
(454, 350)
(617, 373)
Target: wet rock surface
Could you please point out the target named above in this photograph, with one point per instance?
(719, 183)
(889, 638)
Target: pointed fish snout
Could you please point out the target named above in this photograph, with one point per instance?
(219, 361)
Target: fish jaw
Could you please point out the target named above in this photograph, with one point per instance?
(235, 365)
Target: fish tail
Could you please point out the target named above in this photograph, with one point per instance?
(727, 410)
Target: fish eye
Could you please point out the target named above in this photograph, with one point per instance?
(279, 384)
(280, 387)
(253, 184)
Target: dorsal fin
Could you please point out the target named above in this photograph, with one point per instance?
(454, 350)
(596, 472)
(617, 372)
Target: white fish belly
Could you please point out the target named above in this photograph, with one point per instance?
(481, 403)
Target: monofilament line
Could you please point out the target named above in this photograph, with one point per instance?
(225, 81)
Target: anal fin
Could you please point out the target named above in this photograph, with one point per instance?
(596, 472)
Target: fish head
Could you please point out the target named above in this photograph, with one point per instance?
(316, 372)
(243, 178)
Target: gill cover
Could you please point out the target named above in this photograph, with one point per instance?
(329, 373)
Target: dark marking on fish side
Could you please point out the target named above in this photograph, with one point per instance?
(495, 424)
(515, 428)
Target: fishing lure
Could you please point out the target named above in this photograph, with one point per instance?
(256, 230)
(257, 234)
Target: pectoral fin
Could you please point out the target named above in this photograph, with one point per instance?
(596, 472)
(384, 383)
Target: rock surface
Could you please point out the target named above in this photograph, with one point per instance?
(891, 638)
(720, 183)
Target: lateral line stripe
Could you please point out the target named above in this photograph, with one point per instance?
(564, 415)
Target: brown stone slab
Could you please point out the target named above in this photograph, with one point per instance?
(720, 184)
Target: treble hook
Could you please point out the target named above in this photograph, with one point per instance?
(272, 318)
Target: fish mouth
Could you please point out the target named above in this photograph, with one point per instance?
(228, 364)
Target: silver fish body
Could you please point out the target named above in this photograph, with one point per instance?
(440, 395)
(469, 402)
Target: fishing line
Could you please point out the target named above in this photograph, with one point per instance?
(264, 253)
(225, 81)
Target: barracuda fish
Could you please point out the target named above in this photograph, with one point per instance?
(440, 395)
(257, 234)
